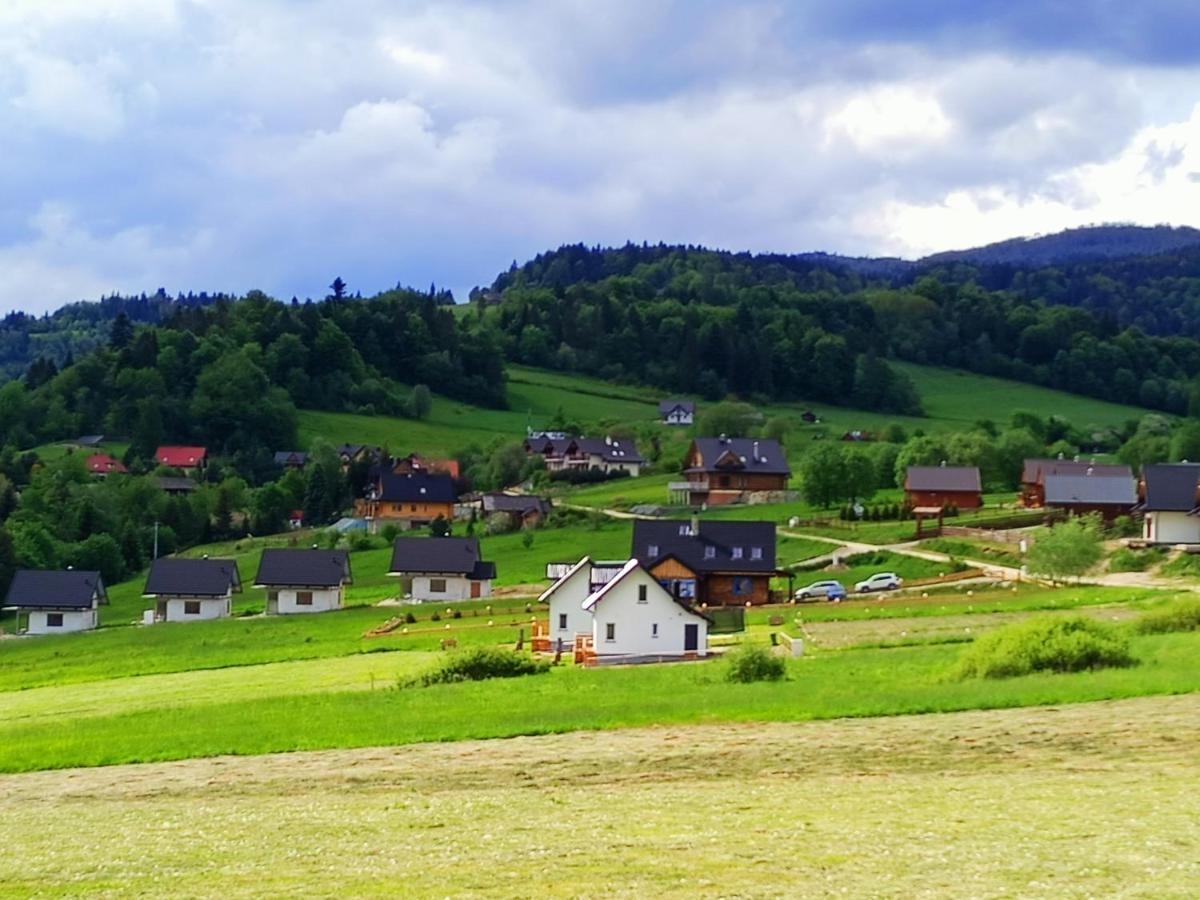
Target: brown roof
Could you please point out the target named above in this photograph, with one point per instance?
(942, 478)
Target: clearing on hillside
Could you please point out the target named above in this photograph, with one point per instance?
(1086, 800)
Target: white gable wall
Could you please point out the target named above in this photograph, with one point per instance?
(72, 620)
(567, 600)
(323, 600)
(634, 623)
(1171, 528)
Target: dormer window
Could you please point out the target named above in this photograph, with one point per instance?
(652, 550)
(710, 552)
(685, 530)
(756, 552)
(737, 553)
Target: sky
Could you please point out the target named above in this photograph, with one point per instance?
(230, 145)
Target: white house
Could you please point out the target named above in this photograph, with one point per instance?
(1171, 503)
(633, 616)
(56, 602)
(303, 581)
(190, 590)
(677, 412)
(441, 569)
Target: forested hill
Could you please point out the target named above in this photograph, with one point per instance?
(230, 374)
(691, 319)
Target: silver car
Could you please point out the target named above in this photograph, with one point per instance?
(820, 589)
(883, 581)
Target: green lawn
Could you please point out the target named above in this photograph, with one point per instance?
(849, 683)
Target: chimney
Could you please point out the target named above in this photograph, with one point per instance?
(723, 439)
(943, 464)
(695, 524)
(755, 454)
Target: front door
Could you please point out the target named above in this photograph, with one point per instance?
(474, 590)
(691, 638)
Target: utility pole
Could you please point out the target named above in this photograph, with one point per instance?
(155, 541)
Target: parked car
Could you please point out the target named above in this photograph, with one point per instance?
(819, 589)
(881, 581)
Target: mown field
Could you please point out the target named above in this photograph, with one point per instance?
(1074, 801)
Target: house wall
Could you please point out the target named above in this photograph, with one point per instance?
(719, 590)
(210, 608)
(633, 621)
(677, 417)
(72, 620)
(1171, 528)
(567, 600)
(323, 600)
(393, 510)
(961, 499)
(458, 587)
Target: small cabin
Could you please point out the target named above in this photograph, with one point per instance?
(191, 590)
(55, 602)
(302, 580)
(943, 486)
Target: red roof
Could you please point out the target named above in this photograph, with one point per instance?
(102, 464)
(180, 457)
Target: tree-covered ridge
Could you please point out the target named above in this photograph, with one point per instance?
(229, 375)
(686, 318)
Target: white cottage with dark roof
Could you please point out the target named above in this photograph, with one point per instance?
(303, 581)
(56, 602)
(441, 568)
(189, 590)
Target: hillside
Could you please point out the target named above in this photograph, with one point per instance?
(1074, 245)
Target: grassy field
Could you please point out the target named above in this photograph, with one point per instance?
(969, 804)
(849, 683)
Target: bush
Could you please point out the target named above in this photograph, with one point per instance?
(1181, 616)
(752, 662)
(1045, 644)
(480, 663)
(1126, 560)
(389, 532)
(409, 618)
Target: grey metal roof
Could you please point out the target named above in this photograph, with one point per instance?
(1094, 490)
(717, 547)
(175, 483)
(1035, 470)
(514, 503)
(1171, 488)
(942, 478)
(291, 458)
(172, 576)
(40, 589)
(310, 568)
(441, 556)
(756, 456)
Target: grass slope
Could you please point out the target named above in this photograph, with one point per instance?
(970, 804)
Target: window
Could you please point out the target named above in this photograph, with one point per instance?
(710, 552)
(685, 530)
(756, 552)
(272, 596)
(562, 621)
(654, 630)
(437, 585)
(412, 507)
(742, 586)
(610, 631)
(652, 550)
(642, 593)
(304, 598)
(737, 553)
(54, 620)
(191, 607)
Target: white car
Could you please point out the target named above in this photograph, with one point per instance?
(882, 581)
(821, 589)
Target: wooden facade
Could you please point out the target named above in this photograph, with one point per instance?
(959, 499)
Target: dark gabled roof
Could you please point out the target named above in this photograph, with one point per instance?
(192, 577)
(756, 456)
(942, 478)
(1035, 470)
(515, 503)
(89, 440)
(291, 458)
(37, 589)
(308, 568)
(667, 406)
(440, 555)
(1171, 488)
(416, 487)
(175, 483)
(609, 449)
(653, 541)
(1094, 490)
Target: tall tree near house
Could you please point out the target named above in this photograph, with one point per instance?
(822, 474)
(1068, 549)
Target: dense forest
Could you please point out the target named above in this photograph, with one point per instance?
(687, 318)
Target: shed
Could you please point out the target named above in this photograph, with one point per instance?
(56, 602)
(303, 580)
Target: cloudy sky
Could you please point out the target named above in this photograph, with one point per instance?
(273, 144)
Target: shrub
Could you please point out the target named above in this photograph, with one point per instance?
(752, 662)
(409, 618)
(1181, 616)
(1126, 560)
(389, 532)
(1045, 644)
(480, 663)
(457, 614)
(435, 618)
